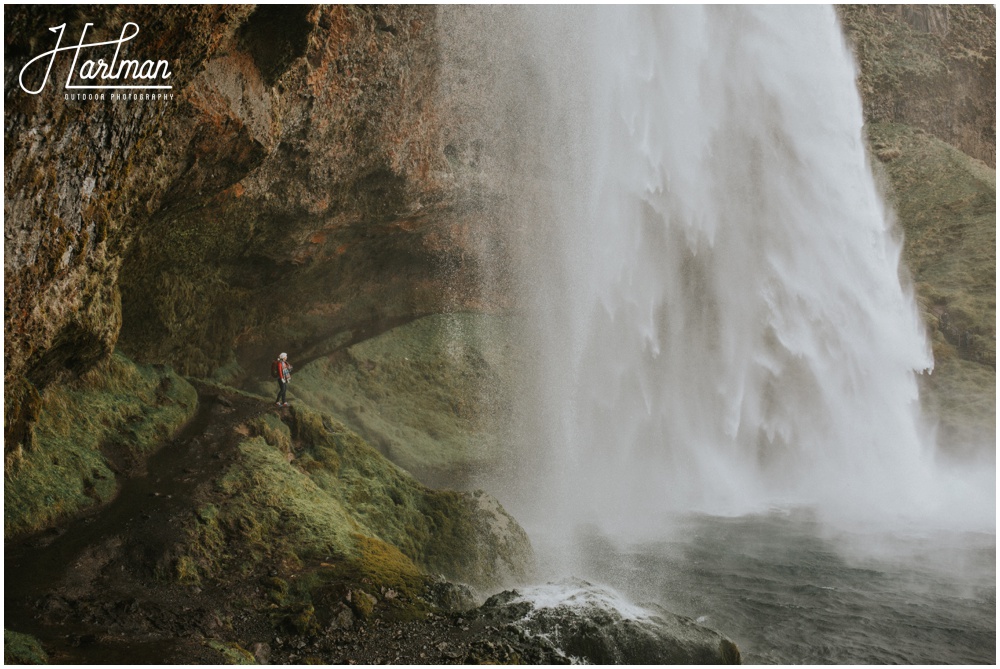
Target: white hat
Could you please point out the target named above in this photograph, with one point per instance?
(283, 356)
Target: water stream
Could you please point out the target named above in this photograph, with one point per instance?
(720, 329)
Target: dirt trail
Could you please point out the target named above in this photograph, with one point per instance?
(88, 590)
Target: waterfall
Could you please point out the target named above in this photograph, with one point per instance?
(712, 278)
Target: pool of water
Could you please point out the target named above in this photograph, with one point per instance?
(790, 591)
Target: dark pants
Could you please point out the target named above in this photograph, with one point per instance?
(282, 388)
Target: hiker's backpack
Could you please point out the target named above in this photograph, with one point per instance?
(275, 369)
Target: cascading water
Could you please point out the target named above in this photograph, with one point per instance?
(731, 331)
(720, 350)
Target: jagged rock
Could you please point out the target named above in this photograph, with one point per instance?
(451, 596)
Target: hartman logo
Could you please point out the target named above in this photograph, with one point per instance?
(97, 76)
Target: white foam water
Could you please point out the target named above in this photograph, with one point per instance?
(574, 594)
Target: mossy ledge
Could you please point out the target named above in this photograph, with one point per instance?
(89, 432)
(308, 498)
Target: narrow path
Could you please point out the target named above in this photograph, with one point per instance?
(100, 589)
(94, 590)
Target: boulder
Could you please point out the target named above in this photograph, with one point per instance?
(592, 624)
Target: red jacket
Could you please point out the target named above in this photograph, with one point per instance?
(284, 370)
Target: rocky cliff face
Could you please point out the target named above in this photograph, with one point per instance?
(294, 187)
(80, 178)
(929, 66)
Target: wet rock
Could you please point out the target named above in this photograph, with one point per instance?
(343, 618)
(451, 596)
(262, 653)
(595, 625)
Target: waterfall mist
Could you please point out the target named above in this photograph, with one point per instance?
(715, 320)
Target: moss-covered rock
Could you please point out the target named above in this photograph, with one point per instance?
(22, 649)
(334, 499)
(232, 653)
(335, 216)
(87, 433)
(431, 395)
(81, 178)
(293, 188)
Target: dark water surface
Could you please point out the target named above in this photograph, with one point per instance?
(789, 592)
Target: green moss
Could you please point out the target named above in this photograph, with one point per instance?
(363, 604)
(380, 566)
(274, 432)
(232, 653)
(228, 372)
(300, 619)
(22, 405)
(22, 649)
(278, 591)
(187, 571)
(267, 509)
(119, 411)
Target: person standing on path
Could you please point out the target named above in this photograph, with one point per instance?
(283, 371)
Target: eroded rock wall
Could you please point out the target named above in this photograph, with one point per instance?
(338, 223)
(293, 188)
(80, 179)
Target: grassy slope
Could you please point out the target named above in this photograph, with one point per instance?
(427, 394)
(946, 205)
(314, 493)
(118, 408)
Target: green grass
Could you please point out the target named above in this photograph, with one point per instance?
(946, 205)
(117, 407)
(428, 394)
